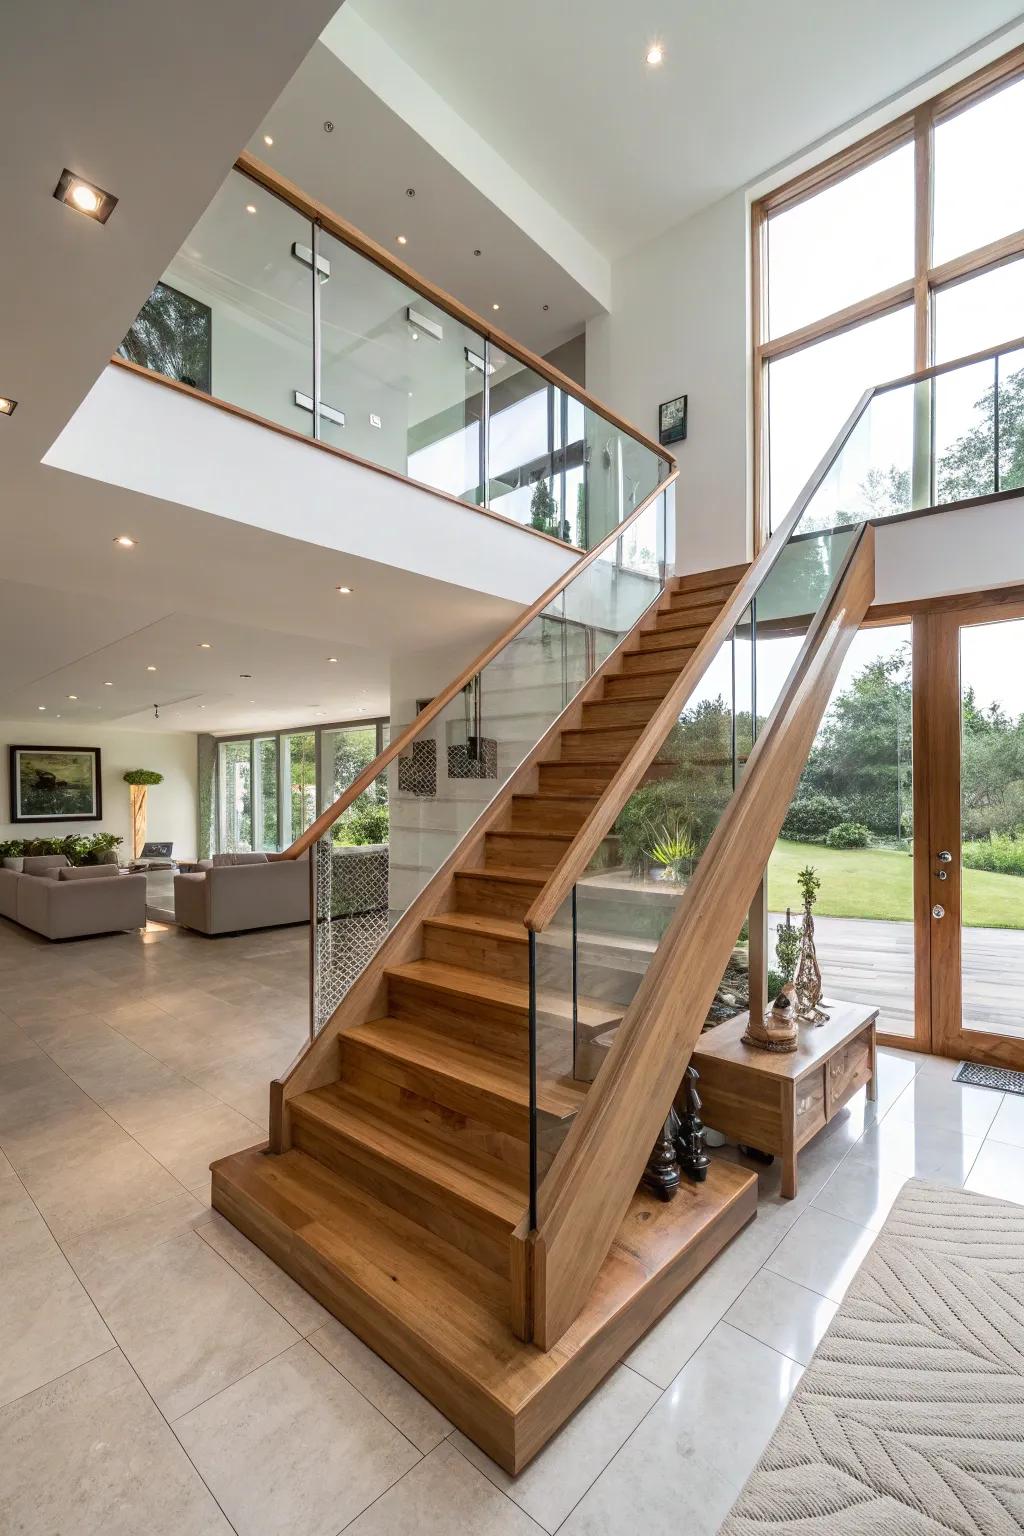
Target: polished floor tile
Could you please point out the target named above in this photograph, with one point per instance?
(558, 1478)
(293, 1449)
(441, 1496)
(389, 1392)
(933, 1100)
(295, 1305)
(48, 1324)
(683, 1467)
(998, 1171)
(1008, 1125)
(821, 1252)
(89, 1455)
(785, 1316)
(188, 1322)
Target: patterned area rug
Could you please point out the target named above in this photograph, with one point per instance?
(909, 1421)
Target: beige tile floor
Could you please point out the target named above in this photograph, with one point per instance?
(158, 1374)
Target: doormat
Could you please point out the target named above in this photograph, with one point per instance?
(999, 1078)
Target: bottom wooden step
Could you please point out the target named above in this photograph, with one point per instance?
(441, 1319)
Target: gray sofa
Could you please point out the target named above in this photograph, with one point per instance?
(234, 892)
(45, 893)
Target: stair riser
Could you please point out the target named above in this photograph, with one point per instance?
(702, 581)
(519, 850)
(494, 898)
(629, 686)
(670, 640)
(579, 746)
(619, 711)
(492, 1026)
(674, 614)
(459, 1113)
(570, 777)
(472, 1230)
(646, 657)
(541, 815)
(682, 632)
(476, 952)
(709, 597)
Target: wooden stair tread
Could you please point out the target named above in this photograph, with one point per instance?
(464, 1062)
(459, 982)
(477, 1180)
(533, 834)
(480, 923)
(651, 672)
(515, 873)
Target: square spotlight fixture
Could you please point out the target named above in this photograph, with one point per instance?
(7, 406)
(84, 197)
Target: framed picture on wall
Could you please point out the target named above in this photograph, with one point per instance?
(55, 784)
(672, 421)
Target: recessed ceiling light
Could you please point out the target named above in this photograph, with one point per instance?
(267, 140)
(401, 240)
(202, 706)
(151, 669)
(332, 658)
(84, 197)
(252, 701)
(7, 405)
(362, 709)
(495, 306)
(72, 695)
(655, 53)
(125, 541)
(108, 685)
(40, 707)
(345, 591)
(204, 645)
(250, 207)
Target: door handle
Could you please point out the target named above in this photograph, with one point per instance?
(945, 857)
(938, 911)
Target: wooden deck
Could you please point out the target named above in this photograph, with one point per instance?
(865, 958)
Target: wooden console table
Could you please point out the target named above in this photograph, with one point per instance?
(777, 1101)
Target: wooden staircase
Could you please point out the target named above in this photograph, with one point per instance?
(402, 1180)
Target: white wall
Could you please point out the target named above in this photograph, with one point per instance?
(963, 551)
(679, 325)
(171, 805)
(132, 432)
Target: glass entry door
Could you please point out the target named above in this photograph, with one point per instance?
(975, 714)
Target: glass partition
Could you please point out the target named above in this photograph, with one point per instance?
(460, 758)
(360, 360)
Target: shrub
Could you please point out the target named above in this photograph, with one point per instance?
(364, 824)
(776, 982)
(787, 947)
(810, 818)
(848, 834)
(76, 849)
(1001, 855)
(142, 776)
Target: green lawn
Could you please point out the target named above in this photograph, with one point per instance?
(878, 882)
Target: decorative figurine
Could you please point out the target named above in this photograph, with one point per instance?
(777, 1031)
(690, 1147)
(808, 971)
(662, 1172)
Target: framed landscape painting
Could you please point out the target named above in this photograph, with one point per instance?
(55, 784)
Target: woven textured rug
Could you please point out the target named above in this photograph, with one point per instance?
(909, 1421)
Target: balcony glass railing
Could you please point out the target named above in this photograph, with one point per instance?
(367, 361)
(952, 433)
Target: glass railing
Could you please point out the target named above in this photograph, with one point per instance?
(449, 771)
(357, 358)
(952, 433)
(589, 960)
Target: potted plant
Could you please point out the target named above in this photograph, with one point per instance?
(139, 780)
(673, 852)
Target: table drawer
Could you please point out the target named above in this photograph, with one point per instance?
(846, 1071)
(809, 1107)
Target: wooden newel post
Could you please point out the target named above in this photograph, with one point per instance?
(138, 793)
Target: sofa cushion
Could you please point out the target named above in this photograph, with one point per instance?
(90, 872)
(45, 864)
(220, 860)
(15, 865)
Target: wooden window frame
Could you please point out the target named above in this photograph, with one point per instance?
(916, 127)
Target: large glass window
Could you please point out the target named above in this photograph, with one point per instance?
(979, 195)
(235, 790)
(853, 239)
(926, 288)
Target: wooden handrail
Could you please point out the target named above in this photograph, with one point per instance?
(311, 208)
(647, 746)
(587, 1190)
(400, 744)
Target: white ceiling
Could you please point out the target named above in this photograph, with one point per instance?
(153, 104)
(623, 151)
(362, 170)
